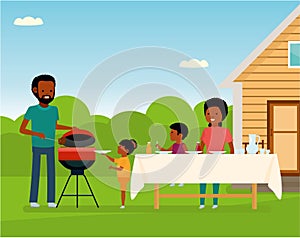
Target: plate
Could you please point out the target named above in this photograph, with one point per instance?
(144, 155)
(102, 151)
(217, 152)
(194, 152)
(163, 152)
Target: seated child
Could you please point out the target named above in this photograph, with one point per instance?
(178, 132)
(123, 168)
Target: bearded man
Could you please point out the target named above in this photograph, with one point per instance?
(43, 125)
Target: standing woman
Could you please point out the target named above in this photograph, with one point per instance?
(214, 137)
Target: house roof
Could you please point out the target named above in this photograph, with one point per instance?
(228, 82)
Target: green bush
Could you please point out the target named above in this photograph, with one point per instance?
(152, 126)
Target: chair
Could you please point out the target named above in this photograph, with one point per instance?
(262, 143)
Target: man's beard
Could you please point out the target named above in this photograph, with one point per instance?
(44, 100)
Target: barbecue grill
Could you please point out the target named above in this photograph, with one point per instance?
(76, 156)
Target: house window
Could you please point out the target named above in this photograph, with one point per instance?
(294, 54)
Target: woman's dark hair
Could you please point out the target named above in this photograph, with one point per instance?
(42, 77)
(181, 128)
(130, 145)
(217, 102)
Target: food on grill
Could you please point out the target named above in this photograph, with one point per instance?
(77, 138)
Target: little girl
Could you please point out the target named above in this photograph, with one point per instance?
(123, 168)
(214, 137)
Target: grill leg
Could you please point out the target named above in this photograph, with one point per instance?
(76, 190)
(64, 190)
(91, 190)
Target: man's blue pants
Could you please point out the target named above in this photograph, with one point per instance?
(35, 177)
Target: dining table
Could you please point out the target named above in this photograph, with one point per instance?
(158, 169)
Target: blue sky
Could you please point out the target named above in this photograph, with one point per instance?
(78, 36)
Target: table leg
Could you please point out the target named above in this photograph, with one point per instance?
(77, 190)
(254, 196)
(156, 196)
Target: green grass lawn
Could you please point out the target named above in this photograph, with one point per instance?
(176, 217)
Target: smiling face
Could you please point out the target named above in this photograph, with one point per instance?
(174, 136)
(45, 91)
(213, 115)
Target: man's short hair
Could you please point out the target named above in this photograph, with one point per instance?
(42, 77)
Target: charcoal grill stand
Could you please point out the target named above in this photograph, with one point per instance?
(77, 173)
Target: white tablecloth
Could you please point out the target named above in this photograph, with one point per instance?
(206, 168)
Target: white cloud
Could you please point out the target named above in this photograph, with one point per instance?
(193, 63)
(28, 21)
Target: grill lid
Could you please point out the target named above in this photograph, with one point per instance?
(77, 138)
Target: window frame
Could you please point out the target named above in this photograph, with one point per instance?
(289, 50)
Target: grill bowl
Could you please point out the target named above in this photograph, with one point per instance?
(77, 164)
(77, 138)
(76, 158)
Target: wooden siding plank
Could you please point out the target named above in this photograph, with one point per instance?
(271, 64)
(288, 37)
(274, 53)
(271, 84)
(264, 99)
(270, 61)
(246, 138)
(255, 108)
(271, 69)
(278, 45)
(266, 73)
(260, 132)
(272, 92)
(267, 88)
(296, 22)
(292, 29)
(252, 100)
(268, 77)
(262, 137)
(257, 116)
(258, 123)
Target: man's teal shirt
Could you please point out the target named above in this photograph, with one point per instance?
(43, 120)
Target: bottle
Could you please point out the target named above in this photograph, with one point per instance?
(148, 148)
(197, 146)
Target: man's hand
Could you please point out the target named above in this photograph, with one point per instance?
(41, 135)
(62, 140)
